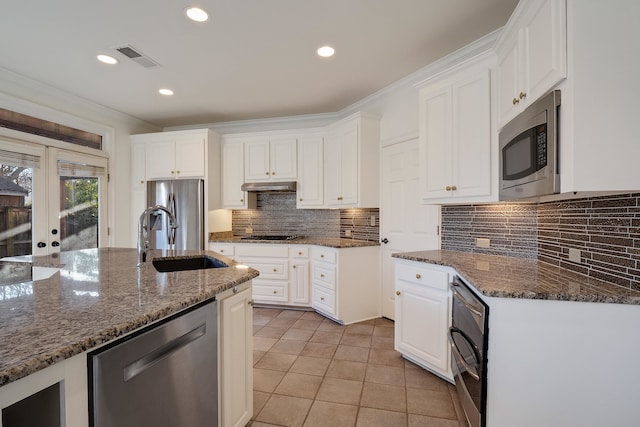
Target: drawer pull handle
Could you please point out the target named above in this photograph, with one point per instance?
(321, 298)
(275, 270)
(398, 293)
(448, 188)
(250, 302)
(418, 276)
(299, 253)
(523, 95)
(339, 198)
(267, 173)
(321, 255)
(454, 188)
(322, 275)
(294, 266)
(221, 251)
(515, 101)
(275, 292)
(241, 200)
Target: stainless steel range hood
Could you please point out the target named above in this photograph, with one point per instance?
(289, 186)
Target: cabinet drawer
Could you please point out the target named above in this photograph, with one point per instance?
(324, 300)
(226, 250)
(324, 274)
(299, 252)
(270, 250)
(325, 255)
(423, 276)
(269, 268)
(270, 290)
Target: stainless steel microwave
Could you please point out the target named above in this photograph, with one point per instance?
(529, 164)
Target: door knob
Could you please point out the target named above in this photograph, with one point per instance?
(385, 241)
(41, 244)
(398, 293)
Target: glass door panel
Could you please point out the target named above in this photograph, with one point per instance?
(79, 213)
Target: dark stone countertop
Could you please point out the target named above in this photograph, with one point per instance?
(509, 277)
(330, 243)
(91, 297)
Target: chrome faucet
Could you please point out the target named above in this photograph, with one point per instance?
(143, 228)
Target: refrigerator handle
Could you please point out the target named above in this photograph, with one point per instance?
(171, 205)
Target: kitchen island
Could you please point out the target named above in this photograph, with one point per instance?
(561, 346)
(90, 298)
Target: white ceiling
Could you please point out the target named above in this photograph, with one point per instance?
(252, 59)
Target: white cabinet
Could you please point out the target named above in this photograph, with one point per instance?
(345, 283)
(351, 163)
(456, 141)
(226, 249)
(179, 157)
(423, 316)
(235, 363)
(284, 272)
(532, 55)
(272, 159)
(138, 182)
(310, 190)
(233, 177)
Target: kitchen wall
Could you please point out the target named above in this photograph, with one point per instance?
(604, 232)
(276, 213)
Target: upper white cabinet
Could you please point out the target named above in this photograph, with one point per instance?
(310, 192)
(180, 156)
(351, 163)
(233, 176)
(532, 55)
(273, 159)
(456, 146)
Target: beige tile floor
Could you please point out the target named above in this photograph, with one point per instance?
(310, 371)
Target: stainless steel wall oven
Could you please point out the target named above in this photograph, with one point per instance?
(468, 336)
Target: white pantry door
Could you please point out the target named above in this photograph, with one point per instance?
(406, 224)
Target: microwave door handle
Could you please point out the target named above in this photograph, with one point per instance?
(473, 371)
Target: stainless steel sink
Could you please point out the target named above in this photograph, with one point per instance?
(164, 265)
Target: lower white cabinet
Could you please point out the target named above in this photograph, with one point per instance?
(423, 316)
(284, 271)
(345, 283)
(235, 357)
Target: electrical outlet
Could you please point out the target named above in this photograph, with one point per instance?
(248, 230)
(347, 233)
(373, 220)
(574, 255)
(483, 243)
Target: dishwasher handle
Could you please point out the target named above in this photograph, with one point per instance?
(153, 357)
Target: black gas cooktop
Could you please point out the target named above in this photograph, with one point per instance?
(271, 237)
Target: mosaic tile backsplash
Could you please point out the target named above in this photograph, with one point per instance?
(276, 213)
(604, 233)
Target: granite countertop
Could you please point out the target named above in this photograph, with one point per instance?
(331, 243)
(509, 277)
(91, 297)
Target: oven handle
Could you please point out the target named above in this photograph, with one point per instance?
(464, 302)
(458, 355)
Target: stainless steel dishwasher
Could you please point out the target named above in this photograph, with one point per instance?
(163, 375)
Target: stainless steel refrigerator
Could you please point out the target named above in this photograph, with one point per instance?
(185, 198)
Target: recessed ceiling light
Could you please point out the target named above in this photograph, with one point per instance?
(326, 51)
(107, 59)
(167, 92)
(196, 14)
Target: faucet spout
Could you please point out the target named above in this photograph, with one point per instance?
(143, 229)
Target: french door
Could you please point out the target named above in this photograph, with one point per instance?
(52, 199)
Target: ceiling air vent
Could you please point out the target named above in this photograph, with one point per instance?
(137, 56)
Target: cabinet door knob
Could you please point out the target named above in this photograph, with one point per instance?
(177, 171)
(275, 270)
(41, 244)
(454, 188)
(241, 200)
(418, 276)
(141, 182)
(293, 266)
(322, 275)
(300, 199)
(340, 198)
(221, 251)
(398, 293)
(321, 298)
(275, 292)
(250, 302)
(448, 188)
(299, 253)
(273, 173)
(523, 95)
(515, 101)
(267, 173)
(321, 255)
(173, 172)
